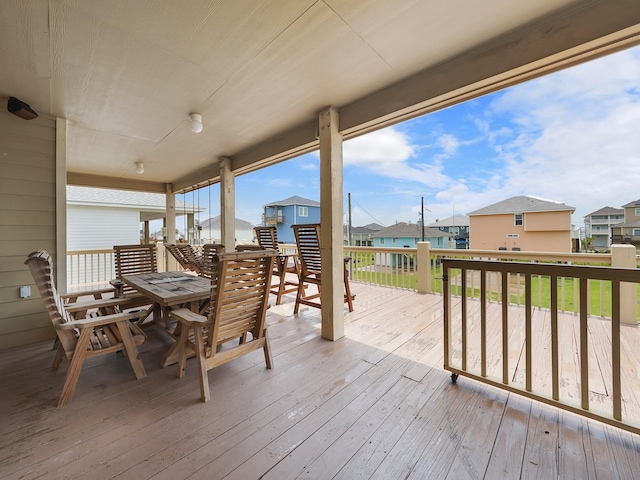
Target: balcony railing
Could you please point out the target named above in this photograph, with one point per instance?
(273, 219)
(477, 340)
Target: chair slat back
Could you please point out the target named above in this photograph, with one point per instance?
(210, 253)
(308, 243)
(131, 259)
(267, 237)
(240, 301)
(177, 254)
(41, 266)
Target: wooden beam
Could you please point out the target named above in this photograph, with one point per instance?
(227, 205)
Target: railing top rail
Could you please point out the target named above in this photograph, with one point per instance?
(575, 271)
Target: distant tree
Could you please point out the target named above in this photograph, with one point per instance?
(586, 243)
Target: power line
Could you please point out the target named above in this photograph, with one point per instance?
(363, 209)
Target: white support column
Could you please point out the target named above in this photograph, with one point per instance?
(331, 236)
(61, 204)
(624, 256)
(170, 225)
(227, 205)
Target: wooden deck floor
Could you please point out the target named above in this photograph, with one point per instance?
(375, 404)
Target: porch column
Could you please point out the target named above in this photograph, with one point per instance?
(624, 256)
(170, 225)
(331, 233)
(61, 205)
(424, 267)
(227, 205)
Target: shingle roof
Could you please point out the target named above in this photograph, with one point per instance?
(607, 211)
(635, 203)
(455, 221)
(409, 230)
(522, 204)
(77, 195)
(215, 223)
(295, 200)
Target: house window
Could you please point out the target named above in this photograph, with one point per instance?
(394, 240)
(637, 212)
(382, 241)
(636, 232)
(303, 211)
(518, 219)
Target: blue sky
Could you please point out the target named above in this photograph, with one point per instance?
(573, 137)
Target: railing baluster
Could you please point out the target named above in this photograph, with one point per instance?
(463, 284)
(528, 332)
(555, 374)
(615, 350)
(505, 328)
(483, 323)
(584, 345)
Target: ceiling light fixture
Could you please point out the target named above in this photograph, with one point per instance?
(139, 168)
(196, 122)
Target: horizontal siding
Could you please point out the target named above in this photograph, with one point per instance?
(27, 223)
(91, 228)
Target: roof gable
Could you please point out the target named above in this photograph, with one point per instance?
(295, 200)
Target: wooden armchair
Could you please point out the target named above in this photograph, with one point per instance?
(308, 243)
(131, 259)
(190, 260)
(238, 306)
(86, 338)
(267, 238)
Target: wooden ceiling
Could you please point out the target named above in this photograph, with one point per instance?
(126, 74)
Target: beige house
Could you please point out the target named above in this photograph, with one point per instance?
(522, 223)
(628, 231)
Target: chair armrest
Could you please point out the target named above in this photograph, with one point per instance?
(73, 296)
(97, 321)
(91, 304)
(185, 315)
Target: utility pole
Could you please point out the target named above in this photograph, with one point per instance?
(422, 217)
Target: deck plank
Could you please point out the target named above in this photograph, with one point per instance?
(375, 404)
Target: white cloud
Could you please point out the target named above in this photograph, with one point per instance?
(577, 138)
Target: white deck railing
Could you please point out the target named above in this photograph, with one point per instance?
(473, 332)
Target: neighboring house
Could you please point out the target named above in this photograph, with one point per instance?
(628, 232)
(522, 223)
(362, 236)
(457, 226)
(290, 211)
(407, 235)
(99, 218)
(210, 231)
(597, 226)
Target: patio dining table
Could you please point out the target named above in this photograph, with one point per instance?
(168, 290)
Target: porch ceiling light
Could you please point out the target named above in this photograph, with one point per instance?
(196, 122)
(139, 168)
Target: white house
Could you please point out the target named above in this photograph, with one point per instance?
(99, 218)
(210, 231)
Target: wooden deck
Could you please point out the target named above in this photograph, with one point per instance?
(375, 404)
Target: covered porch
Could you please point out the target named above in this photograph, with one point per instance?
(374, 404)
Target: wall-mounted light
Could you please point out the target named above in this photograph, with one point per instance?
(196, 122)
(21, 109)
(139, 168)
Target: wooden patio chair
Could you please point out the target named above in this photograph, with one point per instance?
(173, 249)
(238, 306)
(268, 238)
(86, 338)
(308, 243)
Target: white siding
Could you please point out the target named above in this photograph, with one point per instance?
(91, 228)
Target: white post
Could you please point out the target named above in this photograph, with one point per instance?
(624, 256)
(424, 267)
(331, 235)
(170, 222)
